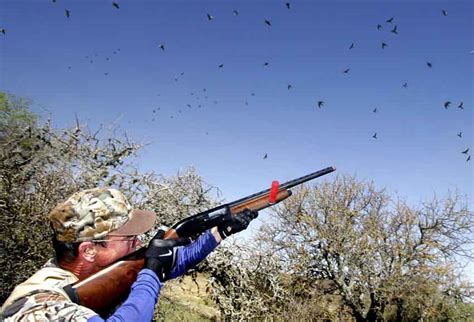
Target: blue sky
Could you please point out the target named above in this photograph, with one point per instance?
(244, 110)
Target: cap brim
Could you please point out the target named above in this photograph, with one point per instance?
(139, 223)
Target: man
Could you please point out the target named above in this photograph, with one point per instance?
(93, 229)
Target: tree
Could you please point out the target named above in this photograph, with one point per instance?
(375, 253)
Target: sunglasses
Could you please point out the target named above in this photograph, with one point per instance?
(133, 239)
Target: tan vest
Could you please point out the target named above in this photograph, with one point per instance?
(48, 279)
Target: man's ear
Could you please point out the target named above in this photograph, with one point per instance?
(87, 251)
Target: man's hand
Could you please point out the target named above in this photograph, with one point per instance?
(238, 223)
(160, 255)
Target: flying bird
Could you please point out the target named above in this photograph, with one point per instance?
(379, 26)
(68, 13)
(265, 64)
(446, 104)
(3, 31)
(468, 158)
(268, 22)
(430, 65)
(461, 105)
(162, 46)
(465, 151)
(106, 74)
(394, 30)
(375, 135)
(320, 104)
(236, 13)
(345, 71)
(445, 13)
(405, 85)
(289, 86)
(375, 110)
(265, 156)
(384, 45)
(460, 134)
(389, 20)
(287, 5)
(209, 17)
(115, 4)
(351, 46)
(221, 65)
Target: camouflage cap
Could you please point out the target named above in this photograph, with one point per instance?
(96, 213)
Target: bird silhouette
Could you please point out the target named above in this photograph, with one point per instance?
(430, 65)
(460, 134)
(209, 17)
(446, 104)
(265, 156)
(106, 74)
(351, 46)
(468, 158)
(268, 22)
(465, 151)
(389, 20)
(379, 26)
(265, 64)
(289, 86)
(394, 30)
(405, 85)
(162, 46)
(68, 13)
(345, 71)
(221, 65)
(375, 110)
(115, 4)
(235, 12)
(287, 5)
(445, 13)
(320, 104)
(375, 135)
(461, 105)
(384, 45)
(3, 31)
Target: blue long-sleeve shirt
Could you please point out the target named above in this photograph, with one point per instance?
(140, 304)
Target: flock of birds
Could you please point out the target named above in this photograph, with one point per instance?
(319, 103)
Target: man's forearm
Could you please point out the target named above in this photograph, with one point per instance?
(192, 254)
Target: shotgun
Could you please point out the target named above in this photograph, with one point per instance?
(106, 288)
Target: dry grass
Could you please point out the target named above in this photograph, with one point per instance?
(191, 296)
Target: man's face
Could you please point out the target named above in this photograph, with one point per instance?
(114, 248)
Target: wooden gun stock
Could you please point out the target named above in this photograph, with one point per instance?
(107, 288)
